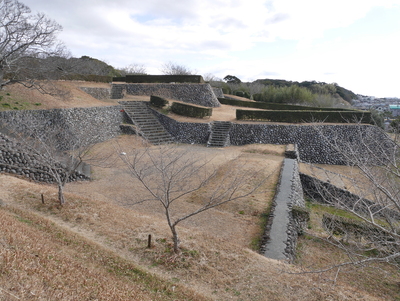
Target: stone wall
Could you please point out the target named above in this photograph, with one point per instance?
(15, 159)
(296, 221)
(102, 122)
(98, 93)
(185, 132)
(199, 94)
(218, 92)
(99, 124)
(327, 193)
(313, 141)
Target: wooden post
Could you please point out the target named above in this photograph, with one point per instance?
(42, 198)
(149, 242)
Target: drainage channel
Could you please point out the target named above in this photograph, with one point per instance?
(276, 245)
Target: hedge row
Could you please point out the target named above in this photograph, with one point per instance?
(190, 111)
(305, 116)
(158, 102)
(272, 106)
(140, 79)
(88, 78)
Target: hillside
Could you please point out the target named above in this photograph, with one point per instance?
(94, 247)
(18, 97)
(314, 86)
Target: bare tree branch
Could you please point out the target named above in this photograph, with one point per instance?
(373, 198)
(25, 40)
(57, 145)
(171, 174)
(171, 68)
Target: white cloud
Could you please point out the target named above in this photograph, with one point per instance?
(219, 36)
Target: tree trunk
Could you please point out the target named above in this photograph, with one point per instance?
(175, 238)
(1, 75)
(61, 194)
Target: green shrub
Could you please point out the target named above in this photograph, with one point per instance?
(158, 102)
(144, 78)
(272, 106)
(305, 116)
(190, 111)
(88, 77)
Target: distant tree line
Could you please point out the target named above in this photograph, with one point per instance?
(313, 86)
(310, 93)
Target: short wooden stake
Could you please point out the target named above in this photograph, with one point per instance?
(149, 241)
(42, 198)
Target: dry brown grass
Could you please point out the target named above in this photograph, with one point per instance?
(380, 280)
(43, 261)
(16, 96)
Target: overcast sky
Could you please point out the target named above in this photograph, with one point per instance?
(355, 43)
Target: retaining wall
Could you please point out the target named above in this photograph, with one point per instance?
(15, 159)
(328, 193)
(99, 123)
(102, 122)
(98, 93)
(314, 142)
(198, 94)
(185, 132)
(218, 92)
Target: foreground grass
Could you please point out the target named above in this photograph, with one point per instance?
(90, 250)
(41, 260)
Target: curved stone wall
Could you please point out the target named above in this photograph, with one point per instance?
(102, 123)
(15, 159)
(218, 92)
(198, 94)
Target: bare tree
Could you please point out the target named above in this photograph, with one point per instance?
(254, 88)
(171, 68)
(171, 174)
(25, 40)
(370, 191)
(57, 146)
(134, 69)
(211, 78)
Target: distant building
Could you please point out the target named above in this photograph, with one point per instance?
(395, 109)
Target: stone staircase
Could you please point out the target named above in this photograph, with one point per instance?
(219, 136)
(147, 125)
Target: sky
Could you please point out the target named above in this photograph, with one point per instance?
(354, 43)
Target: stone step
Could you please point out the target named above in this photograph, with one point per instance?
(146, 123)
(219, 136)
